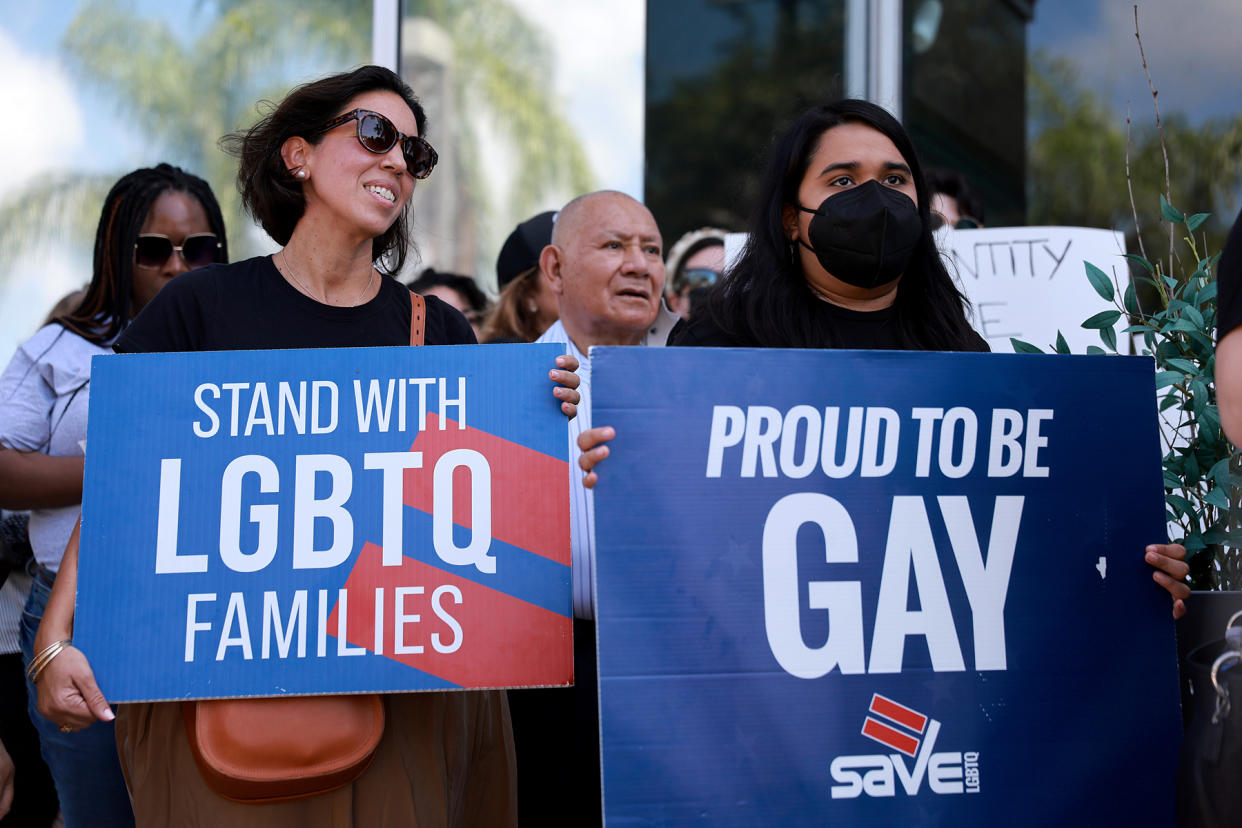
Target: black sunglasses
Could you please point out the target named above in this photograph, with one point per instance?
(378, 135)
(153, 249)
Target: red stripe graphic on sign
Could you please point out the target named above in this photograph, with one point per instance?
(538, 524)
(886, 735)
(501, 641)
(898, 713)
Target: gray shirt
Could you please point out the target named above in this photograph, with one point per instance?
(12, 602)
(43, 400)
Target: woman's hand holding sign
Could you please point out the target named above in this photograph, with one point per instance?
(68, 694)
(1169, 561)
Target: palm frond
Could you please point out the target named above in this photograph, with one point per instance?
(51, 212)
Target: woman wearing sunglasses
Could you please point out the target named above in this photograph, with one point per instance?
(156, 224)
(693, 265)
(328, 174)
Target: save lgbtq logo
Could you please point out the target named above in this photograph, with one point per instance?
(913, 736)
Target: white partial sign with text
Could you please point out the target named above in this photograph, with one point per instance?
(1029, 282)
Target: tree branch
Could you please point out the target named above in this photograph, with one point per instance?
(1164, 149)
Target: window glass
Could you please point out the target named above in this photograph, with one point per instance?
(963, 95)
(529, 103)
(96, 89)
(723, 77)
(1085, 74)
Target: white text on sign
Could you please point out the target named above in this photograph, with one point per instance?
(310, 505)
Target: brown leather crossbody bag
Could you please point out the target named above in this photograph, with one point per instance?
(276, 749)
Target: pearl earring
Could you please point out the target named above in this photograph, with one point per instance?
(301, 174)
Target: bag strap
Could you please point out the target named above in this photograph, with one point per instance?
(418, 314)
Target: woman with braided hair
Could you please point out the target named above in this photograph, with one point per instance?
(156, 224)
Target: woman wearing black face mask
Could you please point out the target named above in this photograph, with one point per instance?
(840, 255)
(840, 252)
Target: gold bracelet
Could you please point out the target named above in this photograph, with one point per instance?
(41, 656)
(39, 663)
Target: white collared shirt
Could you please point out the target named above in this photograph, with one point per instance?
(582, 499)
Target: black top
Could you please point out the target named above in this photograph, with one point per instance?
(861, 330)
(248, 306)
(1229, 283)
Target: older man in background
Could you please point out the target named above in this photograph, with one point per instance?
(605, 265)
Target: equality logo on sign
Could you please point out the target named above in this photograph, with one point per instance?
(913, 735)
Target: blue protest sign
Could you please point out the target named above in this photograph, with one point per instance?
(881, 588)
(324, 521)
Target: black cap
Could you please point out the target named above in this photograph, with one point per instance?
(521, 250)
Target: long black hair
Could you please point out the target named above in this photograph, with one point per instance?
(764, 299)
(270, 191)
(105, 308)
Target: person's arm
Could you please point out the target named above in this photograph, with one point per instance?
(1229, 384)
(1168, 560)
(68, 694)
(33, 480)
(30, 478)
(6, 781)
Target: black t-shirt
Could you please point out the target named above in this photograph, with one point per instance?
(248, 306)
(1229, 283)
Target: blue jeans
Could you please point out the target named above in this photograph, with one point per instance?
(84, 765)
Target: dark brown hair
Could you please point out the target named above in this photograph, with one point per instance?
(270, 192)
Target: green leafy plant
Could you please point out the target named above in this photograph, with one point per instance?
(1177, 334)
(1173, 317)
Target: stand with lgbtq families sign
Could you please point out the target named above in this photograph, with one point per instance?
(330, 521)
(881, 588)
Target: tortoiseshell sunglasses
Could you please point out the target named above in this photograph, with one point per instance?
(378, 135)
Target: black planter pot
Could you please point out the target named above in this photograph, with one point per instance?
(1210, 761)
(1207, 612)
